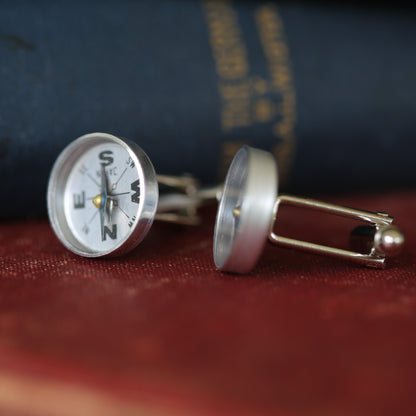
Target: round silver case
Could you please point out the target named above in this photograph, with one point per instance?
(246, 210)
(138, 218)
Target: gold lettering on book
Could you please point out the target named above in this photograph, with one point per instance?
(270, 28)
(248, 99)
(231, 63)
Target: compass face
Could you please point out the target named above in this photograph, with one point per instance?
(102, 195)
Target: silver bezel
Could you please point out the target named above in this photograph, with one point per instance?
(251, 183)
(57, 183)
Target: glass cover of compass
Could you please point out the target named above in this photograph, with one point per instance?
(245, 212)
(102, 195)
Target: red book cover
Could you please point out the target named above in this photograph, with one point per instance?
(161, 332)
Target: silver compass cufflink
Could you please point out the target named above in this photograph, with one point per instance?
(103, 196)
(248, 210)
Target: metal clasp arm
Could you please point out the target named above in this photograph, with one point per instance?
(378, 220)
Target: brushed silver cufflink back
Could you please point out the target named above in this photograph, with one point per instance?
(248, 210)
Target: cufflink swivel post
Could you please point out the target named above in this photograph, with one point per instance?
(248, 211)
(181, 206)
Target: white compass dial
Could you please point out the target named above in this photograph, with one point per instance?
(102, 195)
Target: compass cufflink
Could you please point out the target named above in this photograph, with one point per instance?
(103, 196)
(249, 207)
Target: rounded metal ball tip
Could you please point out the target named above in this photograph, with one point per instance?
(389, 240)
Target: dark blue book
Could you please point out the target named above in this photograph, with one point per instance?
(329, 88)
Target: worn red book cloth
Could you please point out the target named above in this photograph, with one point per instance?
(161, 332)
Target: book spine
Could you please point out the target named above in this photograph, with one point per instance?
(329, 89)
